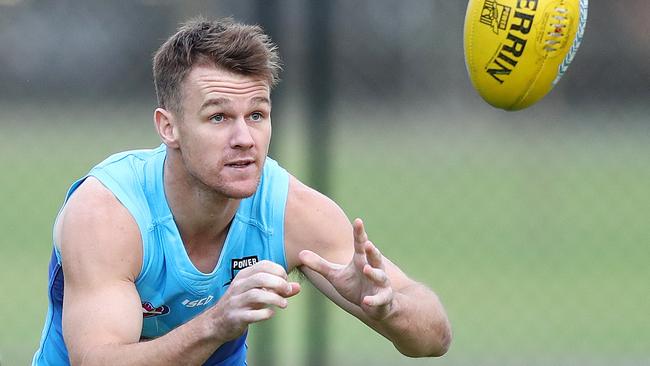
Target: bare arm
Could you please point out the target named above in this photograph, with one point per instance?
(343, 264)
(102, 315)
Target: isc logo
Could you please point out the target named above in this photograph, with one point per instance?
(199, 302)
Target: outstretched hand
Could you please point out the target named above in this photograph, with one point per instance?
(363, 281)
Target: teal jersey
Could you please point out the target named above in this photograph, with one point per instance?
(172, 290)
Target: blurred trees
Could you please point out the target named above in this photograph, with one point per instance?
(384, 50)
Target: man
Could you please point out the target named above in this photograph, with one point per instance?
(165, 256)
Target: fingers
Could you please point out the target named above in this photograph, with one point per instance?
(360, 236)
(258, 315)
(376, 275)
(316, 263)
(378, 304)
(263, 280)
(264, 266)
(381, 298)
(373, 255)
(264, 275)
(365, 247)
(295, 289)
(259, 298)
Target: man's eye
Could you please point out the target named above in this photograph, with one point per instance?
(256, 116)
(217, 118)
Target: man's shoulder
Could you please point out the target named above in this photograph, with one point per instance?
(314, 221)
(93, 220)
(307, 200)
(92, 202)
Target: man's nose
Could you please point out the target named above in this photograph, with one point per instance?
(241, 137)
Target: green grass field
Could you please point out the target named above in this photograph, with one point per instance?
(535, 233)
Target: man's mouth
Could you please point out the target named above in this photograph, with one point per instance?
(240, 163)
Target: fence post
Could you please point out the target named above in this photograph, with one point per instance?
(319, 88)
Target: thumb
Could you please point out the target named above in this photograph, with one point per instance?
(316, 263)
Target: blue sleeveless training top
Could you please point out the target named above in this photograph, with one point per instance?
(171, 289)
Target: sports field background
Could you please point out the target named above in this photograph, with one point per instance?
(533, 227)
(534, 233)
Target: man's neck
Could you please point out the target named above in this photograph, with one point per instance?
(201, 215)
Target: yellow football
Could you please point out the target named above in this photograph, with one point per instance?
(517, 50)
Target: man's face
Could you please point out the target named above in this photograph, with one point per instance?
(225, 129)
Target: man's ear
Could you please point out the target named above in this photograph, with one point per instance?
(167, 127)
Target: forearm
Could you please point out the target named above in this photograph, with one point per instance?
(189, 344)
(417, 324)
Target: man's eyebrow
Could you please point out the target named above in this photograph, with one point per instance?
(221, 101)
(214, 102)
(260, 100)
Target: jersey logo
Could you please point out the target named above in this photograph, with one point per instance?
(199, 302)
(237, 264)
(148, 310)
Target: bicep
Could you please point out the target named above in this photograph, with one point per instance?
(100, 250)
(109, 313)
